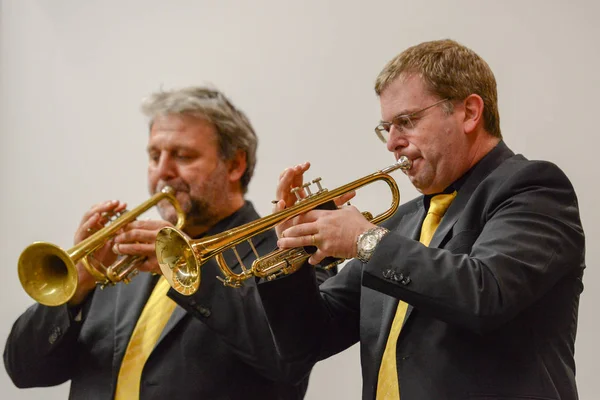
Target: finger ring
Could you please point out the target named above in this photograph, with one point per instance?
(314, 240)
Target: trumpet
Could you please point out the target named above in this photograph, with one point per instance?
(180, 259)
(49, 274)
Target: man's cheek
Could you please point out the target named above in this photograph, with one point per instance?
(183, 199)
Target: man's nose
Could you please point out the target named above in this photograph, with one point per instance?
(396, 139)
(166, 168)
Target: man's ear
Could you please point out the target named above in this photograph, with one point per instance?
(237, 166)
(473, 113)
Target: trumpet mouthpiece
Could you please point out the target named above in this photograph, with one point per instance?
(404, 163)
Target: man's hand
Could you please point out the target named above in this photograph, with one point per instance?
(91, 222)
(333, 232)
(138, 239)
(289, 178)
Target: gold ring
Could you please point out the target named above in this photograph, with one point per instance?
(314, 240)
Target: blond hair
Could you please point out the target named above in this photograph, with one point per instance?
(449, 71)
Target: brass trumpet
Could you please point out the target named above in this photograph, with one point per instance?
(49, 275)
(180, 258)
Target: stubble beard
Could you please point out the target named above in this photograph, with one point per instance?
(205, 209)
(201, 213)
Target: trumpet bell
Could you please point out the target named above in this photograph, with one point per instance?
(47, 273)
(177, 261)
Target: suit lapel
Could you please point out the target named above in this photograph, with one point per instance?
(178, 314)
(450, 218)
(485, 166)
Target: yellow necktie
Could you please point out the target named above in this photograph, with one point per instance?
(388, 387)
(149, 326)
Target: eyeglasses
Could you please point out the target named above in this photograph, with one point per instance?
(400, 122)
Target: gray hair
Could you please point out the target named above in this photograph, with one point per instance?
(234, 130)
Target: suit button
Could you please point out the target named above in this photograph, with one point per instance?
(205, 312)
(405, 281)
(398, 277)
(54, 335)
(388, 273)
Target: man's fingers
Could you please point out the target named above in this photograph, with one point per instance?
(344, 198)
(290, 243)
(309, 239)
(134, 249)
(316, 258)
(136, 235)
(278, 206)
(150, 224)
(106, 207)
(90, 224)
(290, 178)
(303, 229)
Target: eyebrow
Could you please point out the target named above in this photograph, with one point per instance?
(173, 149)
(400, 114)
(405, 113)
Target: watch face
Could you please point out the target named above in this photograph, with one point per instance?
(370, 242)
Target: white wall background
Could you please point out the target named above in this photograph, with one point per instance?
(72, 74)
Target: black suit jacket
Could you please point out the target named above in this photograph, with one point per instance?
(226, 353)
(493, 299)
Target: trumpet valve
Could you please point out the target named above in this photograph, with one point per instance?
(317, 181)
(306, 187)
(296, 191)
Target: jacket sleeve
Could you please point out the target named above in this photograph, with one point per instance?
(42, 346)
(310, 323)
(527, 238)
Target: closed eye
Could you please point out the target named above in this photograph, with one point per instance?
(402, 122)
(154, 156)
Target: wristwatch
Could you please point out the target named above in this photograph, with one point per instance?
(367, 241)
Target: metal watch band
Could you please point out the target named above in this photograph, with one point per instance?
(375, 234)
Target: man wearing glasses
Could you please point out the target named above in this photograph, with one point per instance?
(470, 291)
